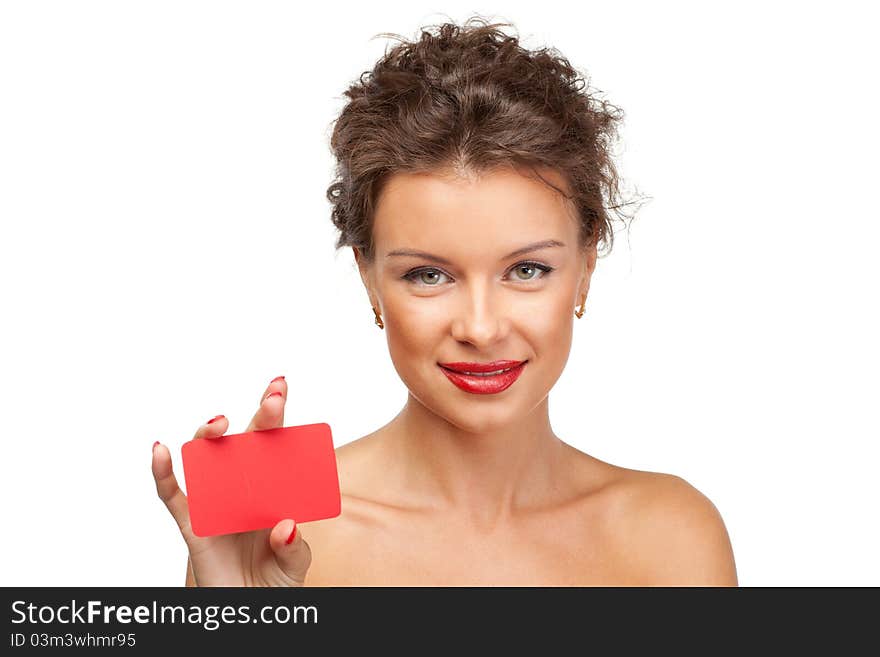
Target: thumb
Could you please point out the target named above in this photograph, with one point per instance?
(291, 551)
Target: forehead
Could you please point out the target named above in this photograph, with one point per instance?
(444, 211)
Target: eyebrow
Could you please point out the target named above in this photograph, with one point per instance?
(544, 244)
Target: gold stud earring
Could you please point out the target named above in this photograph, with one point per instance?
(379, 322)
(580, 312)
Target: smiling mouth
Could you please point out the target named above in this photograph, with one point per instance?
(491, 368)
(484, 383)
(478, 373)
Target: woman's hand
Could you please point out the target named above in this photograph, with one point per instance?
(257, 558)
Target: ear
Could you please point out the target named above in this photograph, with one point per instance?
(590, 255)
(366, 273)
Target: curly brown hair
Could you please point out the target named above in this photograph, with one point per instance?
(468, 99)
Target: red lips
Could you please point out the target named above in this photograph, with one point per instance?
(481, 367)
(485, 384)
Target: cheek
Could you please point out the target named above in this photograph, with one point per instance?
(413, 331)
(550, 334)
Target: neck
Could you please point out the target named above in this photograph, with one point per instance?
(486, 475)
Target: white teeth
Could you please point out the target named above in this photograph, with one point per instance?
(485, 373)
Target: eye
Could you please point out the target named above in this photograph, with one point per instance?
(533, 267)
(425, 274)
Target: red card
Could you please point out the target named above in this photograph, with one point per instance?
(253, 480)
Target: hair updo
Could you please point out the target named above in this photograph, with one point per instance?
(469, 99)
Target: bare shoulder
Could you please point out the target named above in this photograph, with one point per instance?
(352, 462)
(331, 540)
(671, 533)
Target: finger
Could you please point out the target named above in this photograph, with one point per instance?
(213, 428)
(270, 414)
(292, 553)
(169, 491)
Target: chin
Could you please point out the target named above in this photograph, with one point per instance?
(478, 414)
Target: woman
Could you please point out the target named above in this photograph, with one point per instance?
(473, 178)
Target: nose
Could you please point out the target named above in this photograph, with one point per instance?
(479, 317)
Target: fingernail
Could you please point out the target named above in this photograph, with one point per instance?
(273, 394)
(154, 445)
(277, 378)
(214, 419)
(292, 535)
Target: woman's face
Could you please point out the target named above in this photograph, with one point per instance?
(467, 299)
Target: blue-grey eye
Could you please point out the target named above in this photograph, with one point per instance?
(427, 276)
(531, 266)
(525, 267)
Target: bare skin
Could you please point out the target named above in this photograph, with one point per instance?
(610, 527)
(606, 525)
(469, 489)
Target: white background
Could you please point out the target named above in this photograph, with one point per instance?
(166, 249)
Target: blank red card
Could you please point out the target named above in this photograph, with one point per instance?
(247, 481)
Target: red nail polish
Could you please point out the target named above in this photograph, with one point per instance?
(214, 419)
(277, 378)
(291, 537)
(273, 394)
(154, 445)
